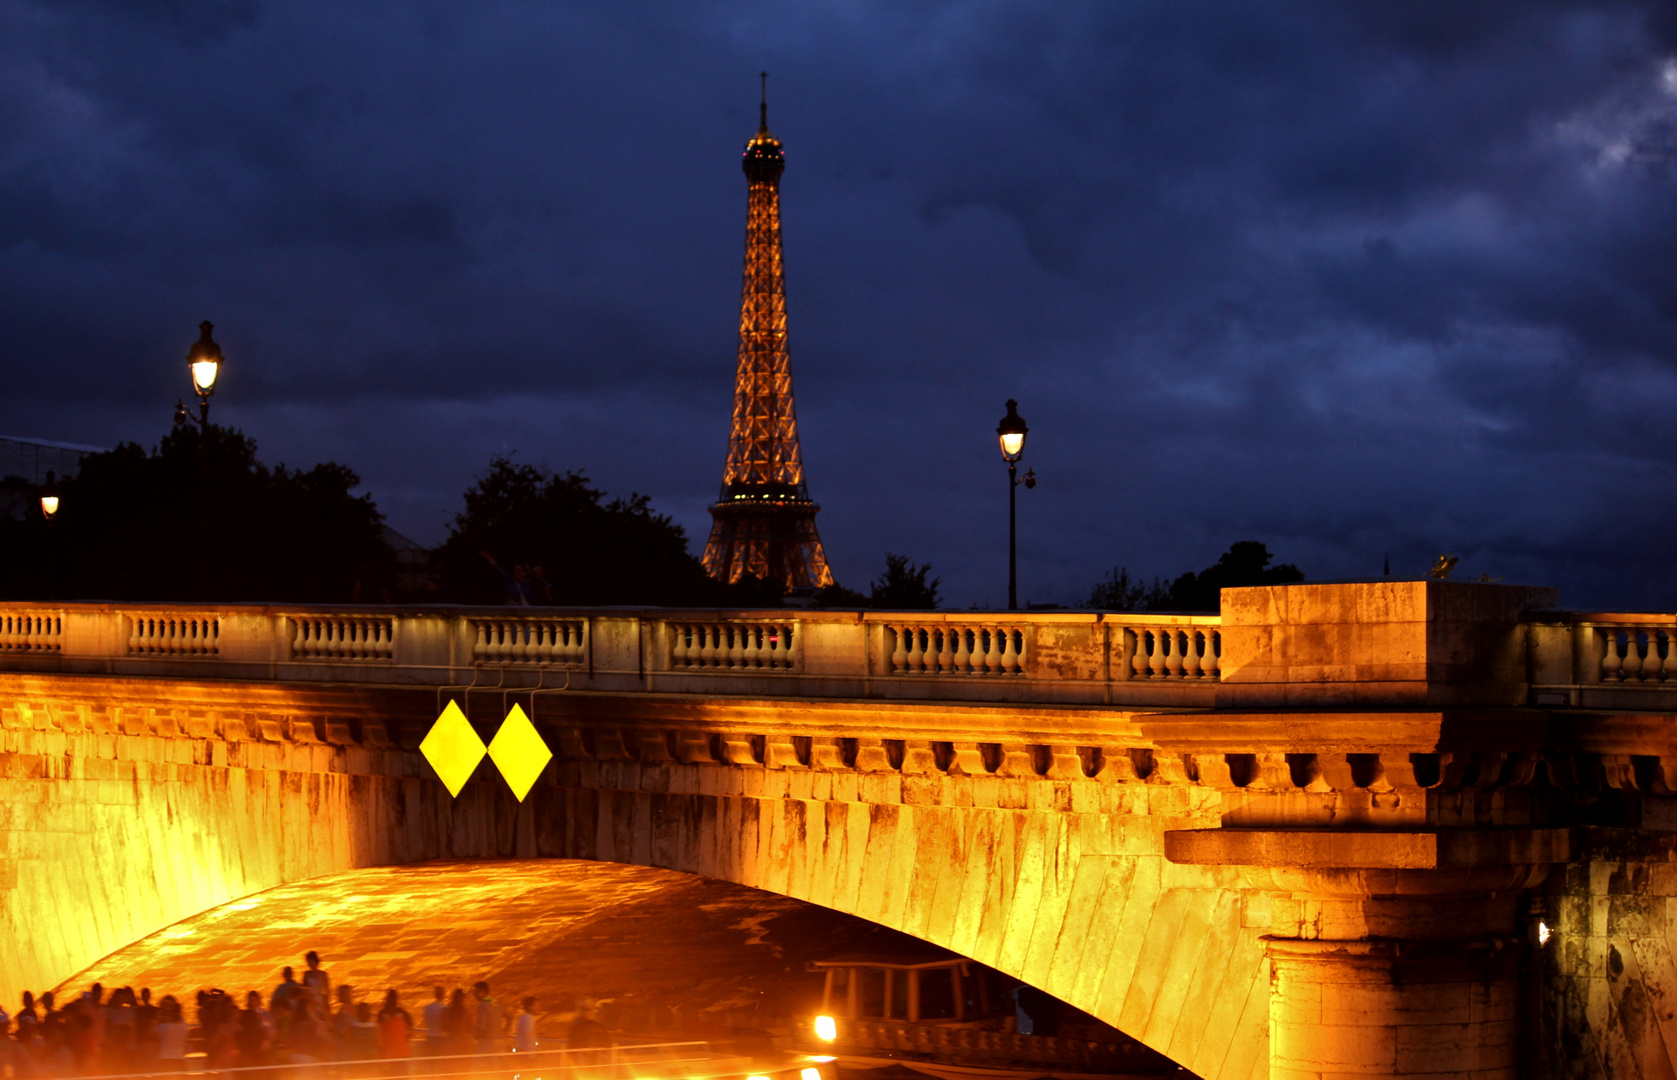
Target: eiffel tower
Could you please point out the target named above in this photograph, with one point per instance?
(763, 524)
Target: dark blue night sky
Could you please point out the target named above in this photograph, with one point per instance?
(1351, 279)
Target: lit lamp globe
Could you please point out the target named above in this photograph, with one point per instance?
(204, 358)
(1011, 431)
(49, 498)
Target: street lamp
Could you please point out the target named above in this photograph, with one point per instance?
(49, 498)
(1011, 432)
(203, 360)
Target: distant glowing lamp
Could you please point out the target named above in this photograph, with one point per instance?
(826, 1028)
(49, 498)
(811, 1073)
(1011, 431)
(1544, 934)
(205, 360)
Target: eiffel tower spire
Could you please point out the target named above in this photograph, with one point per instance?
(763, 524)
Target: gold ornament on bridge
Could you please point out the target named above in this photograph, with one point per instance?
(454, 750)
(519, 752)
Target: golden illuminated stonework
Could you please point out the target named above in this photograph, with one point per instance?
(454, 749)
(519, 752)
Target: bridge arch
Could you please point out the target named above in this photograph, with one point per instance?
(154, 801)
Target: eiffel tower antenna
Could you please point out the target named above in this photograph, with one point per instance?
(763, 523)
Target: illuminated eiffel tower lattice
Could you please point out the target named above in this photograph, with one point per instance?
(764, 522)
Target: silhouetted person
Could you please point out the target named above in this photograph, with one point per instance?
(457, 1022)
(491, 1022)
(518, 582)
(288, 989)
(255, 1036)
(171, 1036)
(145, 1030)
(395, 1029)
(524, 1030)
(587, 1033)
(436, 1035)
(316, 981)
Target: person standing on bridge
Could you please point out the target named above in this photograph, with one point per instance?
(519, 591)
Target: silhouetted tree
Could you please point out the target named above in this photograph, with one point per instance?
(127, 529)
(591, 550)
(837, 596)
(1245, 563)
(1117, 592)
(904, 587)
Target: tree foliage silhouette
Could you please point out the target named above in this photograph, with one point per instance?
(127, 528)
(592, 550)
(1247, 562)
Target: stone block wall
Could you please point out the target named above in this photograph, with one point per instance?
(1610, 968)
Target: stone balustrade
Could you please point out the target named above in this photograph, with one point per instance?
(1548, 658)
(1075, 658)
(1607, 660)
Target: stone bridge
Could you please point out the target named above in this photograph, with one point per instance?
(1381, 829)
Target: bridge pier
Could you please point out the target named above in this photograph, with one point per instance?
(1392, 954)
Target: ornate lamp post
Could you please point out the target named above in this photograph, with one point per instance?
(1012, 431)
(204, 362)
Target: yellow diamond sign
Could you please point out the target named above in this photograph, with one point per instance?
(453, 748)
(519, 752)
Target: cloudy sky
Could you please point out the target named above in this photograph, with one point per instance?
(1354, 280)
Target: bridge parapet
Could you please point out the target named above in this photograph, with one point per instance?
(1158, 660)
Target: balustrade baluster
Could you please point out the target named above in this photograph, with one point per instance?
(1013, 642)
(1180, 642)
(678, 643)
(736, 650)
(1659, 654)
(1611, 662)
(899, 648)
(1193, 649)
(945, 651)
(1158, 661)
(1212, 662)
(1632, 667)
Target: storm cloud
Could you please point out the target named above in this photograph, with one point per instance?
(1355, 280)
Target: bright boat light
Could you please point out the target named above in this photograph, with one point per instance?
(822, 1059)
(1544, 933)
(810, 1074)
(826, 1028)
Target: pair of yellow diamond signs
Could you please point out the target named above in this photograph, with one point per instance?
(454, 750)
